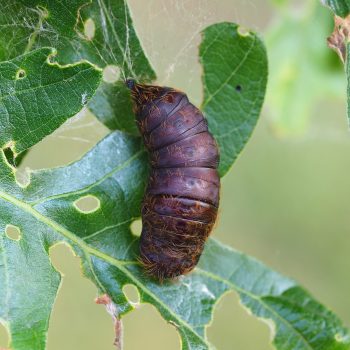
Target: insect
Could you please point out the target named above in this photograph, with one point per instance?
(181, 201)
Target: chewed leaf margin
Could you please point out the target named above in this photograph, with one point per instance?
(234, 84)
(115, 172)
(186, 303)
(48, 94)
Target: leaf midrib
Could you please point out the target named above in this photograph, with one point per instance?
(92, 251)
(87, 249)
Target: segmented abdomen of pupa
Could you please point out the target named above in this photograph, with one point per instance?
(181, 201)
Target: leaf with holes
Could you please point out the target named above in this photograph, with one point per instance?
(108, 250)
(114, 174)
(99, 31)
(234, 86)
(36, 97)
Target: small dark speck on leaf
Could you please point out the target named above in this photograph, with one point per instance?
(239, 88)
(21, 73)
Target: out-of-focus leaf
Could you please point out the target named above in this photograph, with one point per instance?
(303, 71)
(339, 7)
(234, 80)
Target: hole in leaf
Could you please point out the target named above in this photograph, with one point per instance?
(21, 74)
(19, 157)
(76, 298)
(4, 337)
(67, 144)
(111, 74)
(341, 338)
(228, 312)
(147, 321)
(136, 227)
(22, 176)
(89, 29)
(87, 204)
(238, 88)
(52, 57)
(13, 232)
(242, 31)
(132, 294)
(10, 156)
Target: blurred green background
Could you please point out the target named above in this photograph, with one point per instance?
(286, 200)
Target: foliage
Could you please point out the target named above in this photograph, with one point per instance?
(234, 86)
(303, 71)
(44, 211)
(339, 7)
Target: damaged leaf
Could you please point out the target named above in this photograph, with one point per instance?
(115, 172)
(29, 24)
(109, 252)
(33, 106)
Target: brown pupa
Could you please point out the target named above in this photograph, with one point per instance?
(181, 201)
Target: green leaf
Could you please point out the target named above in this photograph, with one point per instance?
(339, 7)
(25, 262)
(234, 80)
(61, 24)
(115, 172)
(12, 159)
(303, 71)
(36, 97)
(45, 211)
(112, 105)
(29, 24)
